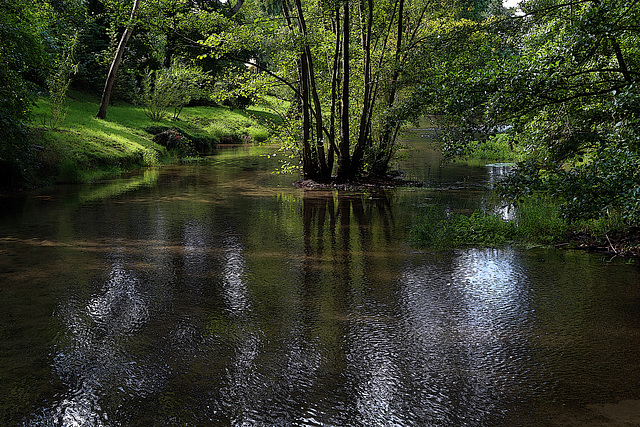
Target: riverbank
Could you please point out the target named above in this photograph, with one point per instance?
(534, 221)
(82, 148)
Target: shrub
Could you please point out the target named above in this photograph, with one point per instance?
(498, 147)
(59, 80)
(171, 88)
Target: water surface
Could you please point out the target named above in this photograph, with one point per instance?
(219, 294)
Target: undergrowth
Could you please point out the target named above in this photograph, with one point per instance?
(496, 148)
(533, 221)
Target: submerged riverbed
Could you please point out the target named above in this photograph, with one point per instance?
(219, 294)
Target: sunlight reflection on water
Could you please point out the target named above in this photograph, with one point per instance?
(469, 318)
(202, 303)
(93, 360)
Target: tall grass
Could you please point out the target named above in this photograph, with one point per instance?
(496, 148)
(535, 221)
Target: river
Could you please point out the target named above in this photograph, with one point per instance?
(217, 293)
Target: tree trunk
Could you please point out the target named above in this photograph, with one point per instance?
(237, 7)
(308, 163)
(309, 169)
(111, 77)
(389, 130)
(344, 157)
(322, 172)
(364, 133)
(621, 62)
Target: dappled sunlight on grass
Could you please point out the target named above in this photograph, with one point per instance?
(81, 146)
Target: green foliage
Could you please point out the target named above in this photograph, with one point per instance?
(22, 56)
(298, 48)
(238, 89)
(538, 220)
(498, 147)
(437, 229)
(37, 43)
(480, 229)
(604, 183)
(171, 88)
(155, 97)
(565, 75)
(535, 220)
(58, 82)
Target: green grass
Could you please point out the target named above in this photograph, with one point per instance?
(496, 148)
(536, 222)
(84, 148)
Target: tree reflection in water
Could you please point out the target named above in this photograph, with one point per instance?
(309, 308)
(339, 266)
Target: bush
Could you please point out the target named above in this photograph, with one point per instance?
(171, 88)
(58, 82)
(536, 221)
(605, 181)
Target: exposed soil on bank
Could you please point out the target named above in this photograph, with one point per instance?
(623, 244)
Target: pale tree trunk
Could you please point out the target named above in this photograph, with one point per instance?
(111, 77)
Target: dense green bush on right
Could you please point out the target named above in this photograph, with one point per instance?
(535, 221)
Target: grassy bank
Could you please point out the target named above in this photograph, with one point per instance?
(83, 148)
(534, 221)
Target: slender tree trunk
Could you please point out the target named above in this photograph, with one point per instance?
(344, 157)
(621, 62)
(323, 173)
(364, 131)
(237, 7)
(335, 82)
(111, 77)
(389, 129)
(308, 165)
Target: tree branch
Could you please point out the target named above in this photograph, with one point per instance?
(237, 7)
